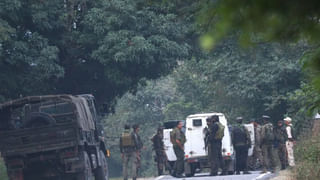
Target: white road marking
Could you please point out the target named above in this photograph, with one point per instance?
(160, 177)
(262, 175)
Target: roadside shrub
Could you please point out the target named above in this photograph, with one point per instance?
(307, 156)
(3, 170)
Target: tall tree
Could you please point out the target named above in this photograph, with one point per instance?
(77, 46)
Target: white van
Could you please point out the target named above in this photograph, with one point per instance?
(196, 155)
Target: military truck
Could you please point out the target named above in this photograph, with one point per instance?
(56, 137)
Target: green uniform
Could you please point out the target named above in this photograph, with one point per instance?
(158, 147)
(281, 138)
(129, 155)
(269, 161)
(177, 134)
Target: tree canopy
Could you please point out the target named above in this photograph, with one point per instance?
(101, 47)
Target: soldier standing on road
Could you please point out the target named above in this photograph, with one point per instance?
(280, 143)
(178, 139)
(158, 147)
(216, 133)
(267, 135)
(256, 159)
(241, 142)
(128, 153)
(290, 141)
(139, 146)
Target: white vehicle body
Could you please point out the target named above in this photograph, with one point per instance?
(250, 128)
(195, 145)
(168, 145)
(168, 127)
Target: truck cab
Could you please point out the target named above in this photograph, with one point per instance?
(196, 152)
(52, 137)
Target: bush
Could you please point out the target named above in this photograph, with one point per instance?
(3, 170)
(307, 156)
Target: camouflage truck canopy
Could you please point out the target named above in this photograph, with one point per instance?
(61, 108)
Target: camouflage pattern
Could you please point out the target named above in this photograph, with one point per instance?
(280, 144)
(214, 150)
(139, 146)
(129, 157)
(242, 141)
(161, 157)
(177, 134)
(269, 160)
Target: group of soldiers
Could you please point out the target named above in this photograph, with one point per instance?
(267, 141)
(271, 142)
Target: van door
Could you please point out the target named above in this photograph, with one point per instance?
(195, 146)
(168, 145)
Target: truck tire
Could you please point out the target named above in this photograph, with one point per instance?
(87, 172)
(102, 172)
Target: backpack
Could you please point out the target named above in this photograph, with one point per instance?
(268, 135)
(239, 136)
(220, 133)
(127, 140)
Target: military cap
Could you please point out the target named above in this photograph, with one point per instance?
(266, 117)
(288, 119)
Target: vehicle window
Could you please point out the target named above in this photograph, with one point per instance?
(59, 108)
(197, 122)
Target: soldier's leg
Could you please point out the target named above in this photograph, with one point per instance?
(282, 155)
(289, 146)
(272, 157)
(135, 164)
(265, 157)
(221, 161)
(238, 161)
(125, 162)
(214, 159)
(160, 165)
(245, 160)
(179, 165)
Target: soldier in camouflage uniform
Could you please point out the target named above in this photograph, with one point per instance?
(241, 141)
(139, 146)
(158, 147)
(280, 143)
(214, 147)
(267, 145)
(178, 140)
(128, 154)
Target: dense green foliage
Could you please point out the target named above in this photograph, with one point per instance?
(100, 47)
(3, 171)
(308, 155)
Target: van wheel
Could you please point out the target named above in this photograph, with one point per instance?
(87, 171)
(102, 172)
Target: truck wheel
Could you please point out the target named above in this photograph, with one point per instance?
(102, 172)
(87, 172)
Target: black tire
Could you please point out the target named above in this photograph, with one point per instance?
(102, 172)
(87, 172)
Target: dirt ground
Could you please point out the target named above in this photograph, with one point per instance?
(283, 175)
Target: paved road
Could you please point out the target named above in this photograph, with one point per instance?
(205, 176)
